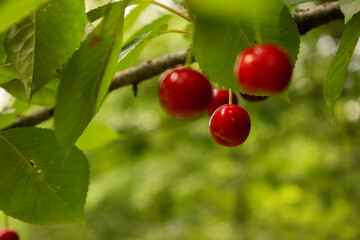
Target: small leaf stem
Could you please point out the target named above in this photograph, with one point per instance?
(257, 30)
(169, 9)
(230, 97)
(6, 221)
(178, 31)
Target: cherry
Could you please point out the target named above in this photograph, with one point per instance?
(6, 234)
(263, 69)
(230, 125)
(220, 97)
(253, 98)
(184, 93)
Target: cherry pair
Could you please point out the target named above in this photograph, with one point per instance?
(186, 94)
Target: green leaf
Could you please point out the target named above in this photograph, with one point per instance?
(88, 77)
(133, 16)
(99, 12)
(12, 11)
(4, 79)
(46, 96)
(151, 27)
(218, 40)
(9, 113)
(3, 56)
(338, 69)
(230, 10)
(96, 135)
(7, 73)
(129, 22)
(7, 118)
(349, 8)
(133, 49)
(42, 43)
(38, 183)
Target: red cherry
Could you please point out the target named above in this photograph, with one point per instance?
(253, 98)
(6, 234)
(230, 125)
(184, 93)
(263, 69)
(220, 97)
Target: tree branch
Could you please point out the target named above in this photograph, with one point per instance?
(129, 76)
(312, 18)
(147, 70)
(305, 19)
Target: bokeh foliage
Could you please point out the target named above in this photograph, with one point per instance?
(296, 177)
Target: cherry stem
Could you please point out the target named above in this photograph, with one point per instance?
(6, 221)
(230, 97)
(257, 30)
(169, 9)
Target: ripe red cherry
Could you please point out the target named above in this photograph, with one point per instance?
(184, 93)
(230, 125)
(253, 98)
(220, 97)
(263, 69)
(6, 234)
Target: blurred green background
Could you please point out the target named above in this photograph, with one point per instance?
(153, 177)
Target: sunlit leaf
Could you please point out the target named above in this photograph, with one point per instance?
(96, 135)
(87, 78)
(99, 12)
(133, 49)
(349, 8)
(7, 73)
(12, 11)
(133, 16)
(7, 118)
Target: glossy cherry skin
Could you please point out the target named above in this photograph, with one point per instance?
(184, 93)
(230, 125)
(220, 97)
(263, 69)
(6, 234)
(253, 98)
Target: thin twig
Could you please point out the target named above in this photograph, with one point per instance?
(33, 118)
(178, 31)
(305, 19)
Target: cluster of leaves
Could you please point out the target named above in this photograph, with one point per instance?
(54, 53)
